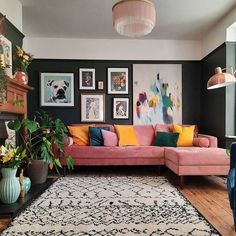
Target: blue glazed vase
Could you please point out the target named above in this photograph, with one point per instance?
(27, 184)
(9, 186)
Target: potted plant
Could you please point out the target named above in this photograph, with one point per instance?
(22, 60)
(42, 134)
(10, 159)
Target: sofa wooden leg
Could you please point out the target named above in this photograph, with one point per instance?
(159, 170)
(64, 171)
(181, 182)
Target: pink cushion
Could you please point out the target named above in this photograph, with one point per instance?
(201, 142)
(163, 128)
(145, 134)
(109, 138)
(77, 151)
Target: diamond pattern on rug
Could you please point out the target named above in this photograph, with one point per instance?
(110, 206)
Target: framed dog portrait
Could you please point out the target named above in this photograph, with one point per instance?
(120, 108)
(87, 79)
(57, 89)
(118, 80)
(92, 107)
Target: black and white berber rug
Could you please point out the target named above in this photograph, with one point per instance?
(108, 206)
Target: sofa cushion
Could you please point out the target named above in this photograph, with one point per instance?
(95, 135)
(114, 152)
(80, 134)
(201, 142)
(145, 134)
(126, 134)
(186, 134)
(109, 138)
(163, 128)
(168, 139)
(191, 156)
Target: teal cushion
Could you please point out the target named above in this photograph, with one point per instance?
(166, 139)
(95, 135)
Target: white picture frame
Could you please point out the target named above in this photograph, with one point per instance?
(118, 80)
(6, 52)
(56, 89)
(120, 108)
(87, 78)
(92, 107)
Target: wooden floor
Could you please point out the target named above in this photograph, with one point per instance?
(207, 194)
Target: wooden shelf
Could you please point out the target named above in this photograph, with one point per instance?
(16, 92)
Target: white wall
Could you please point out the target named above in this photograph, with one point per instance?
(217, 35)
(13, 11)
(113, 49)
(231, 33)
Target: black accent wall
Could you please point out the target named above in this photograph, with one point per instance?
(213, 101)
(191, 82)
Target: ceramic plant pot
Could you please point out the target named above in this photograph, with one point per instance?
(9, 186)
(37, 171)
(21, 77)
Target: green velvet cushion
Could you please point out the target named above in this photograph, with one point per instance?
(166, 139)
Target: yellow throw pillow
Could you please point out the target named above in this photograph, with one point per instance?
(127, 136)
(186, 135)
(80, 134)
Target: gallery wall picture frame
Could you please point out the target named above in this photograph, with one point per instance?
(87, 78)
(92, 107)
(6, 54)
(57, 89)
(120, 108)
(118, 80)
(100, 85)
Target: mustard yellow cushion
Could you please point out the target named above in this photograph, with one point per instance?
(80, 134)
(186, 135)
(127, 136)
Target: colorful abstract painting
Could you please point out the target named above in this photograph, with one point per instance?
(157, 93)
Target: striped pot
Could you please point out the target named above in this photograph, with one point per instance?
(9, 186)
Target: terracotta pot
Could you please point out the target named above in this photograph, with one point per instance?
(21, 77)
(37, 171)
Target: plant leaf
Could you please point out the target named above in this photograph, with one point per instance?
(14, 125)
(58, 163)
(70, 163)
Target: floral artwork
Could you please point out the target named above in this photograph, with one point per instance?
(118, 80)
(157, 93)
(92, 107)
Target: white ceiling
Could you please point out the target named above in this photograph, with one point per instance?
(176, 19)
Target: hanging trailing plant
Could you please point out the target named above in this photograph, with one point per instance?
(4, 78)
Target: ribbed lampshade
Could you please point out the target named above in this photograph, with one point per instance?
(220, 79)
(134, 18)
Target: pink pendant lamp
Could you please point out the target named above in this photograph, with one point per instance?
(220, 79)
(134, 18)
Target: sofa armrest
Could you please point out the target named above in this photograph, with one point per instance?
(67, 142)
(212, 139)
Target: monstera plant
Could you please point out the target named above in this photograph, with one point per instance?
(40, 136)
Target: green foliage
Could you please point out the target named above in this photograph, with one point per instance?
(42, 133)
(4, 78)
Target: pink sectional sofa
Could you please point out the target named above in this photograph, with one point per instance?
(183, 161)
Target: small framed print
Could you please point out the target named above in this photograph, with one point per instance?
(87, 79)
(118, 80)
(120, 108)
(56, 89)
(92, 107)
(6, 55)
(100, 85)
